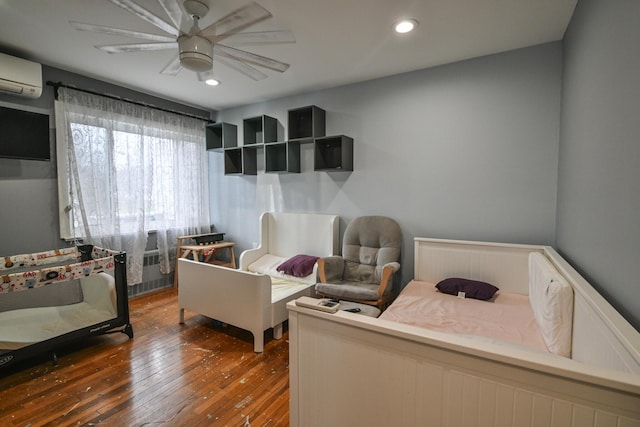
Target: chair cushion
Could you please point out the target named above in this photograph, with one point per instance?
(361, 291)
(355, 272)
(361, 254)
(369, 243)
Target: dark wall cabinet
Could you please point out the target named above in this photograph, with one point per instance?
(233, 161)
(333, 153)
(260, 130)
(220, 136)
(282, 157)
(305, 125)
(241, 161)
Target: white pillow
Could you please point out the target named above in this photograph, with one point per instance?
(266, 264)
(551, 299)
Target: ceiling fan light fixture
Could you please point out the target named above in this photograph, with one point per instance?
(196, 53)
(405, 25)
(212, 82)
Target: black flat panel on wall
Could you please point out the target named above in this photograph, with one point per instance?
(24, 135)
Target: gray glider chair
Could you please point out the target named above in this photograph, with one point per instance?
(364, 273)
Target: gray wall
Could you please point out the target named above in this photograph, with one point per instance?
(28, 189)
(467, 151)
(598, 229)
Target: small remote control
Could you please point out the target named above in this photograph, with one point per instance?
(323, 304)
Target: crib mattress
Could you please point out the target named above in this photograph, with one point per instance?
(507, 317)
(20, 328)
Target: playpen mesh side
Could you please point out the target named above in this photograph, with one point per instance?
(62, 293)
(21, 276)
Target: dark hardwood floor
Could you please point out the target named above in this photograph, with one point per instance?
(197, 374)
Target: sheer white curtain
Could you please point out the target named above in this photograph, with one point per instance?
(125, 170)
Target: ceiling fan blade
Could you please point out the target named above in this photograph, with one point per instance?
(173, 67)
(81, 26)
(259, 38)
(240, 67)
(252, 58)
(136, 47)
(176, 14)
(142, 13)
(236, 21)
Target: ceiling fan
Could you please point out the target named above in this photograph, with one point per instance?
(197, 47)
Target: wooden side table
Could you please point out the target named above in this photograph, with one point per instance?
(208, 253)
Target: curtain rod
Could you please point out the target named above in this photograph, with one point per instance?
(57, 85)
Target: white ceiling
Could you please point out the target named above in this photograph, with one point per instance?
(337, 41)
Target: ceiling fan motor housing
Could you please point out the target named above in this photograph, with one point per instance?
(196, 53)
(197, 8)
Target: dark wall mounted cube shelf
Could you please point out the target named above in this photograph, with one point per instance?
(233, 161)
(282, 157)
(221, 135)
(333, 153)
(240, 161)
(249, 161)
(260, 130)
(306, 123)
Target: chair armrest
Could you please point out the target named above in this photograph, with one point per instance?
(330, 268)
(388, 271)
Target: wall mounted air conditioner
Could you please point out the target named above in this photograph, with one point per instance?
(20, 77)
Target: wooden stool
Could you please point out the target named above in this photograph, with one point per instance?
(208, 253)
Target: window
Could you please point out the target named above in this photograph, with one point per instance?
(125, 170)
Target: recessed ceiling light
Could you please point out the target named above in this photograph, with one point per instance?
(405, 26)
(212, 82)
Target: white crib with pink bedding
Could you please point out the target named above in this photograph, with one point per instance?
(508, 318)
(537, 316)
(404, 369)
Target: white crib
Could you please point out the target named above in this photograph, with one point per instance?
(347, 369)
(256, 300)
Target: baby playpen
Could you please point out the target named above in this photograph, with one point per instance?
(49, 299)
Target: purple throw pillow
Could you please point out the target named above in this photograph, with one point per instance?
(298, 266)
(471, 288)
